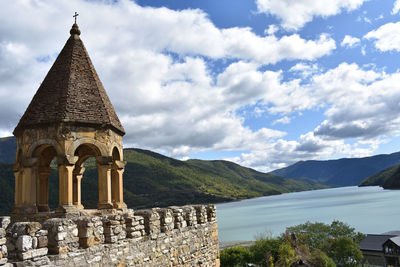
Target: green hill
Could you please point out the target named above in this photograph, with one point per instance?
(151, 179)
(389, 178)
(340, 172)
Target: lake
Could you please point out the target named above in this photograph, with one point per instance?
(368, 209)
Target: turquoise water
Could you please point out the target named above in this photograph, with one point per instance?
(368, 209)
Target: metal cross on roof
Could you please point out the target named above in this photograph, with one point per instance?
(76, 14)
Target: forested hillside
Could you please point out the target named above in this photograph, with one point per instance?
(151, 179)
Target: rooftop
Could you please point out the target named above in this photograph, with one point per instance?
(71, 93)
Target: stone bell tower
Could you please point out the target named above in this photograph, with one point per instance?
(69, 119)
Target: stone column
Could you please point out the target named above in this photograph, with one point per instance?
(28, 186)
(18, 171)
(104, 165)
(117, 184)
(43, 188)
(66, 165)
(77, 177)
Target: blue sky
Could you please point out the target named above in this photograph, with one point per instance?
(264, 83)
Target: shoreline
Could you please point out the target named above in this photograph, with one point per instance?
(235, 243)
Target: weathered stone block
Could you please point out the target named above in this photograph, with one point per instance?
(89, 241)
(24, 243)
(60, 236)
(4, 221)
(41, 233)
(32, 253)
(3, 261)
(42, 241)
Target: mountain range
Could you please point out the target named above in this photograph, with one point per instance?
(340, 172)
(151, 179)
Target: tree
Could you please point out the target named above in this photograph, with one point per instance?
(345, 252)
(317, 235)
(235, 256)
(287, 255)
(265, 250)
(319, 258)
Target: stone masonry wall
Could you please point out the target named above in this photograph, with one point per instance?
(174, 236)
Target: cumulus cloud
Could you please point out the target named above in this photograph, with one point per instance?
(305, 69)
(350, 41)
(360, 104)
(283, 120)
(396, 7)
(295, 14)
(282, 152)
(156, 65)
(153, 63)
(386, 37)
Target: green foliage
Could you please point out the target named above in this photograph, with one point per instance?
(286, 255)
(381, 177)
(330, 245)
(319, 258)
(317, 235)
(235, 256)
(265, 250)
(345, 252)
(388, 178)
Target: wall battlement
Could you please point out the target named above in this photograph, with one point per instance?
(173, 236)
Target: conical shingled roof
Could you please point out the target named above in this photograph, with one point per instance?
(71, 92)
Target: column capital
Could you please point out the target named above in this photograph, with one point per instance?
(30, 162)
(16, 167)
(78, 171)
(120, 164)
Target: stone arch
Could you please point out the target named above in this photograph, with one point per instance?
(42, 143)
(116, 155)
(82, 152)
(98, 146)
(44, 153)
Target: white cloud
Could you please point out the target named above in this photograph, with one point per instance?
(283, 120)
(396, 7)
(296, 13)
(282, 152)
(350, 41)
(272, 29)
(305, 69)
(160, 81)
(387, 37)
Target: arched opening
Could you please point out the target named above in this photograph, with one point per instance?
(85, 166)
(46, 167)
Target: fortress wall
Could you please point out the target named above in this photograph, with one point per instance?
(174, 236)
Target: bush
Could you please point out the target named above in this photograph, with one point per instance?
(235, 256)
(265, 250)
(286, 255)
(319, 258)
(345, 252)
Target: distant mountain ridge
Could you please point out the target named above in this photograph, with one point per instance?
(340, 172)
(151, 179)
